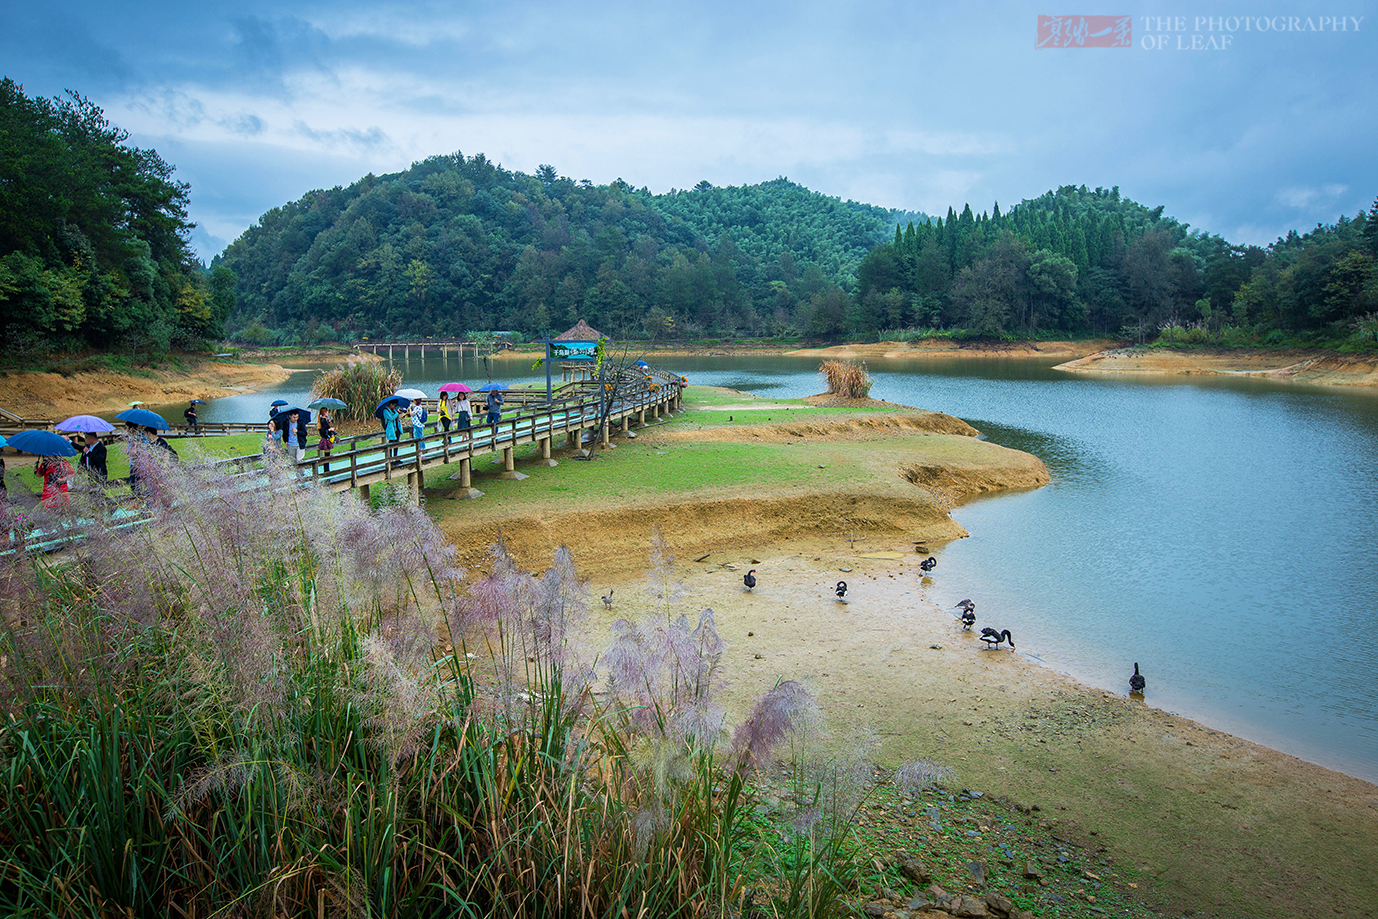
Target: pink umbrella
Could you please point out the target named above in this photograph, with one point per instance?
(455, 387)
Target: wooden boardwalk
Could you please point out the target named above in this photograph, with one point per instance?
(359, 462)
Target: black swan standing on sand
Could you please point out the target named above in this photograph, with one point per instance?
(750, 579)
(841, 590)
(993, 638)
(1137, 682)
(968, 616)
(928, 564)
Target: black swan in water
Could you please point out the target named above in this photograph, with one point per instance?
(928, 564)
(968, 616)
(841, 589)
(750, 579)
(1137, 682)
(993, 638)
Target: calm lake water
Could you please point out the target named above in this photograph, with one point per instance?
(1219, 531)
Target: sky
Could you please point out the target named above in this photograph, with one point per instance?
(1241, 121)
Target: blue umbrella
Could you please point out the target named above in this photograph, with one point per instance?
(492, 387)
(143, 418)
(198, 401)
(41, 443)
(84, 423)
(402, 403)
(2, 440)
(642, 364)
(276, 402)
(327, 403)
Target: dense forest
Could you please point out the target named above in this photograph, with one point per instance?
(93, 238)
(1080, 261)
(456, 244)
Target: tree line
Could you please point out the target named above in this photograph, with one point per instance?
(1078, 261)
(93, 238)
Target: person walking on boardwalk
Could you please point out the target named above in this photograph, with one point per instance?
(190, 415)
(55, 473)
(464, 411)
(494, 405)
(418, 425)
(93, 459)
(272, 438)
(392, 427)
(327, 432)
(447, 410)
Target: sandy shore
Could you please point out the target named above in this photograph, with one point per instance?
(1319, 368)
(1210, 823)
(55, 396)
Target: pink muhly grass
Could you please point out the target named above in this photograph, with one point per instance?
(780, 712)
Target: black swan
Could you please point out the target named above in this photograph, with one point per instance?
(928, 564)
(841, 589)
(607, 599)
(993, 638)
(750, 579)
(968, 616)
(1137, 682)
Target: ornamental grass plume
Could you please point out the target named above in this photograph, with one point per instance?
(846, 379)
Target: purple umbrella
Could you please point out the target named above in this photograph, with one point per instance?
(85, 423)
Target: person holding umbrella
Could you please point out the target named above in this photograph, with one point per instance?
(294, 434)
(55, 472)
(390, 412)
(93, 458)
(327, 432)
(190, 415)
(494, 405)
(464, 411)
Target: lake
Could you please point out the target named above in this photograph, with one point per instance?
(1220, 531)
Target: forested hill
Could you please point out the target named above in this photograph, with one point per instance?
(93, 238)
(458, 244)
(1078, 260)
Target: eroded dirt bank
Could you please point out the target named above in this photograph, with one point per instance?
(55, 396)
(1325, 369)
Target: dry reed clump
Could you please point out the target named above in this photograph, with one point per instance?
(271, 699)
(847, 379)
(359, 384)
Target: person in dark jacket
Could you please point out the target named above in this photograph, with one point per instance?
(160, 441)
(190, 415)
(93, 458)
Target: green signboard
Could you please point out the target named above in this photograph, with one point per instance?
(573, 350)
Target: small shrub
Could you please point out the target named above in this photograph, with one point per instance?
(847, 379)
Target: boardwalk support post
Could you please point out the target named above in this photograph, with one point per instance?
(545, 453)
(509, 467)
(466, 489)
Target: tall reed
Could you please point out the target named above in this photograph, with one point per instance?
(360, 384)
(272, 700)
(846, 378)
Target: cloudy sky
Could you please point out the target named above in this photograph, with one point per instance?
(1263, 127)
